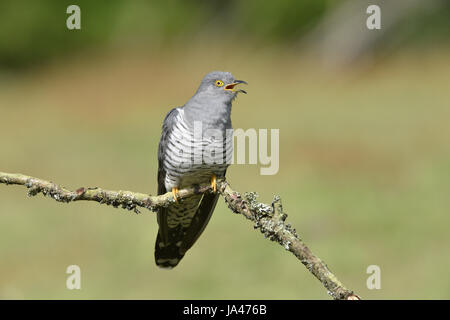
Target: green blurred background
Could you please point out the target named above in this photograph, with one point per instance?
(364, 143)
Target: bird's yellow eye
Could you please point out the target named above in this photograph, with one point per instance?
(219, 83)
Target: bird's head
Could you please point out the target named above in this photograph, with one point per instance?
(220, 85)
(211, 104)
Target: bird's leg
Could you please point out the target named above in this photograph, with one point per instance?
(214, 183)
(175, 193)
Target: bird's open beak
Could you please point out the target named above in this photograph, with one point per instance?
(231, 86)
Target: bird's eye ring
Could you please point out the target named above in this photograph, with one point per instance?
(219, 83)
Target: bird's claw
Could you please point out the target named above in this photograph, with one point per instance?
(175, 193)
(214, 183)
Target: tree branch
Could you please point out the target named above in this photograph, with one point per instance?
(269, 219)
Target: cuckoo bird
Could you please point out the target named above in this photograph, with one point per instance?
(195, 148)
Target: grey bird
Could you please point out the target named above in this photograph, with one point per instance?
(195, 148)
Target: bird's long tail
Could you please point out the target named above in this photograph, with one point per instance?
(174, 234)
(167, 256)
(180, 225)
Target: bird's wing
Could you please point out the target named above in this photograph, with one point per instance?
(168, 124)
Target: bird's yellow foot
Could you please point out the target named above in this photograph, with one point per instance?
(175, 193)
(214, 183)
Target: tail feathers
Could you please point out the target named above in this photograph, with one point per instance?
(172, 243)
(167, 256)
